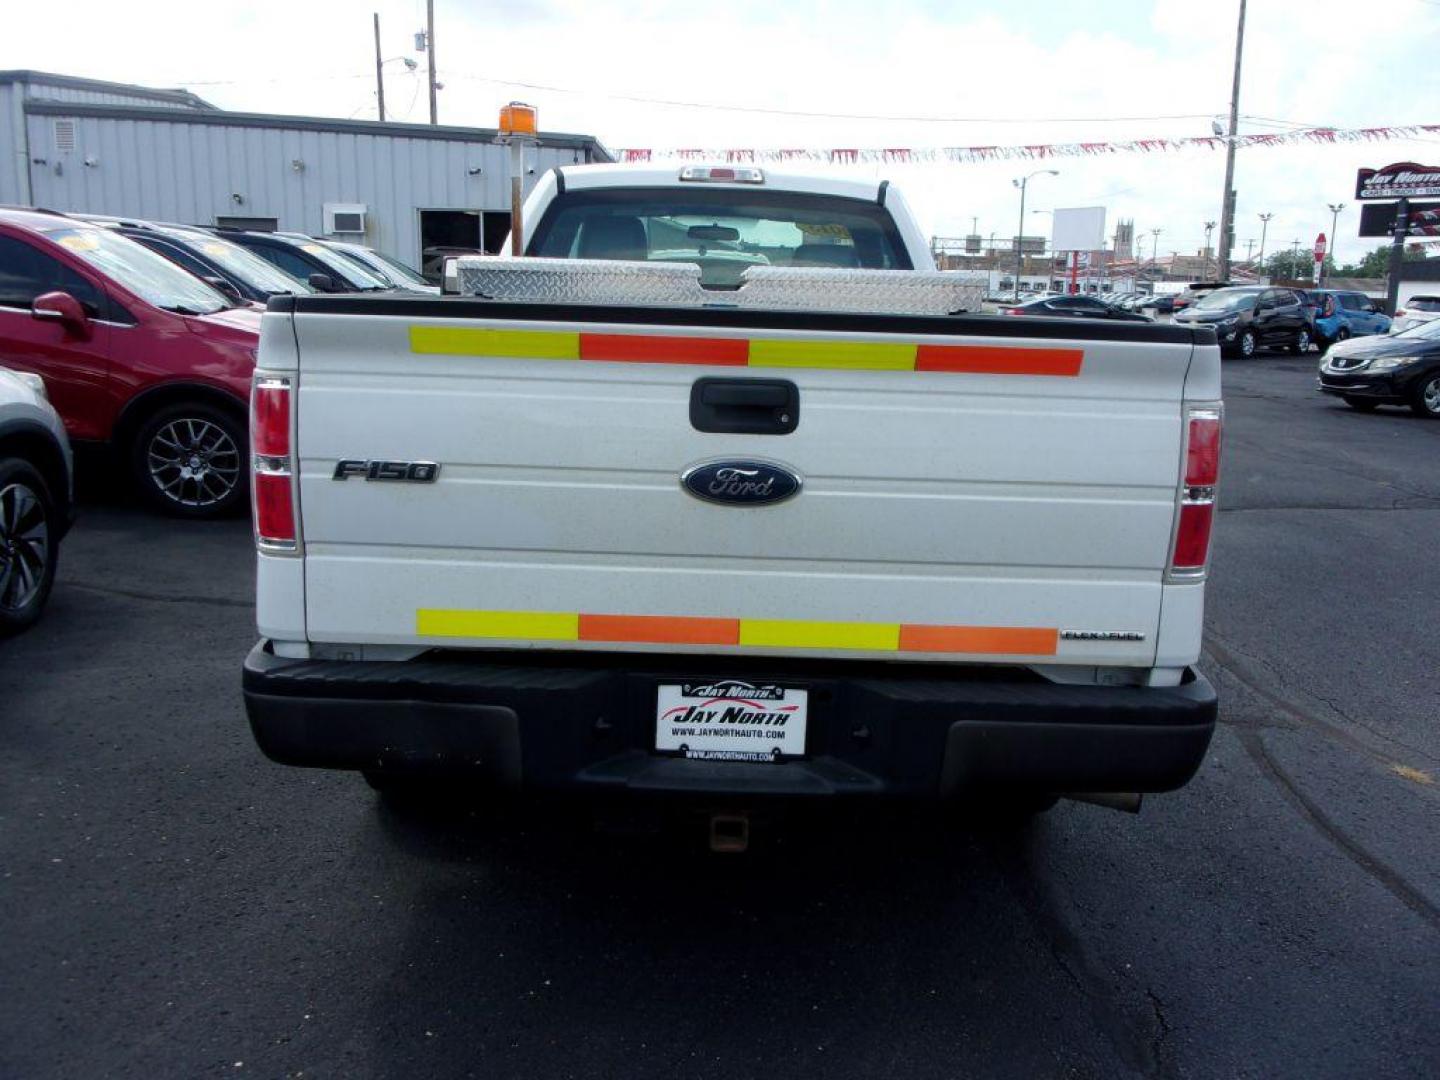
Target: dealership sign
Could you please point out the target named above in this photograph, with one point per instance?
(1404, 180)
(1378, 219)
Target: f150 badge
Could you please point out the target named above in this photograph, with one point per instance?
(405, 472)
(744, 482)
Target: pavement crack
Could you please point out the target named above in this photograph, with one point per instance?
(1382, 873)
(1162, 1025)
(159, 598)
(1123, 1024)
(1243, 669)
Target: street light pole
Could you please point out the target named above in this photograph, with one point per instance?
(1209, 228)
(1264, 225)
(1154, 247)
(1022, 184)
(1227, 205)
(1335, 209)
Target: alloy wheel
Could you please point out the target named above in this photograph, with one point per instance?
(24, 546)
(1430, 396)
(193, 462)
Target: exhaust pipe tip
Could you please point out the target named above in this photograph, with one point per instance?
(1125, 801)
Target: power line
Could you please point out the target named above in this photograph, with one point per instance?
(762, 110)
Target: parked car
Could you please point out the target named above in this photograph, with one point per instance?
(1072, 307)
(1193, 292)
(321, 267)
(1248, 318)
(393, 271)
(1342, 314)
(136, 354)
(1416, 310)
(1160, 305)
(1399, 369)
(36, 498)
(227, 266)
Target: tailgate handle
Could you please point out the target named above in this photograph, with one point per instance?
(744, 406)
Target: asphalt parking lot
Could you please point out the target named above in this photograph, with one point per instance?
(175, 905)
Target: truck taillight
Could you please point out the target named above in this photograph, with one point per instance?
(272, 487)
(1196, 516)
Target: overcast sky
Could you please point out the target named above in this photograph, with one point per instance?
(991, 73)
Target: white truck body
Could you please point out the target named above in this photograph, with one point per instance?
(974, 492)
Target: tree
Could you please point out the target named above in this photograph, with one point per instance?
(1292, 265)
(1377, 262)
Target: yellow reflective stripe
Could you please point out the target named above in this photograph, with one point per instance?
(478, 341)
(517, 625)
(801, 634)
(842, 355)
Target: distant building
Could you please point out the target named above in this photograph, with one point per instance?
(166, 155)
(1124, 245)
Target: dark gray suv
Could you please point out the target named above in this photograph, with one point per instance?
(1248, 318)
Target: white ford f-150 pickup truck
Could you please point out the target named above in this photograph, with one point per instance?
(721, 491)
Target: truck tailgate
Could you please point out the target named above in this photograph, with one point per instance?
(1003, 494)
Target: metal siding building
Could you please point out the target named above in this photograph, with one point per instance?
(105, 148)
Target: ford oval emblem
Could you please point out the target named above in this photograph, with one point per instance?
(743, 482)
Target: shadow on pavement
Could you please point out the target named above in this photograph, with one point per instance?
(843, 945)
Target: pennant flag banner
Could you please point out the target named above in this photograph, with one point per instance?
(1038, 151)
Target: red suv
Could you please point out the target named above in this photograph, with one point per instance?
(135, 353)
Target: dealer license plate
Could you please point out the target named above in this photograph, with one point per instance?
(729, 720)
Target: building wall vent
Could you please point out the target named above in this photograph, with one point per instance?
(345, 219)
(64, 135)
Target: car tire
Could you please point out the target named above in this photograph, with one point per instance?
(29, 545)
(1425, 398)
(1246, 345)
(1342, 333)
(1360, 404)
(1301, 345)
(191, 460)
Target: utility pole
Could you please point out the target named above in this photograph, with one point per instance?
(1249, 247)
(1397, 254)
(379, 78)
(1020, 236)
(1335, 209)
(430, 50)
(1227, 205)
(1264, 225)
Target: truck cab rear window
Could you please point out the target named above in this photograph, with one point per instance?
(724, 231)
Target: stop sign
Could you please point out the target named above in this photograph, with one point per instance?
(1320, 247)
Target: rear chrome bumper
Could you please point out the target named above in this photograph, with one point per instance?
(585, 722)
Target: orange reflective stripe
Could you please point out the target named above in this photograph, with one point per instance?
(1010, 640)
(999, 360)
(833, 354)
(772, 633)
(662, 349)
(660, 629)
